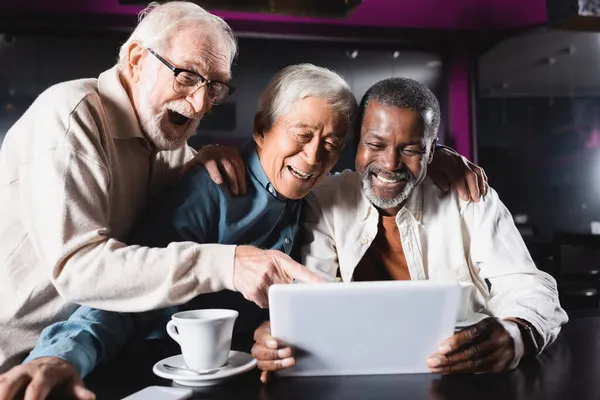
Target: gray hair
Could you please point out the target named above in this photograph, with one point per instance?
(403, 93)
(300, 81)
(158, 22)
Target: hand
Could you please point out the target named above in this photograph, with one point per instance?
(254, 270)
(483, 347)
(41, 376)
(450, 168)
(267, 352)
(221, 161)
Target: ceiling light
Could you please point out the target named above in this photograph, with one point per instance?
(352, 54)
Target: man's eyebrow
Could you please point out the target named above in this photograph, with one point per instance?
(303, 125)
(373, 135)
(199, 66)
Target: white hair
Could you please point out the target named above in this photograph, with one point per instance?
(158, 22)
(300, 81)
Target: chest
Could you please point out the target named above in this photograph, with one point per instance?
(132, 165)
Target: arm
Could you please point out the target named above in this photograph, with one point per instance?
(520, 296)
(69, 350)
(66, 204)
(450, 168)
(87, 338)
(518, 289)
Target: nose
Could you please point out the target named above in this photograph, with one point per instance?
(199, 100)
(391, 160)
(311, 152)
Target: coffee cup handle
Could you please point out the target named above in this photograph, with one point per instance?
(172, 331)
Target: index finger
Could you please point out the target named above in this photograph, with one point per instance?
(473, 185)
(13, 384)
(41, 385)
(299, 272)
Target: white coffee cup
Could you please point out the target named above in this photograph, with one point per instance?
(204, 336)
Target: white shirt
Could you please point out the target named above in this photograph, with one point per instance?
(444, 238)
(75, 171)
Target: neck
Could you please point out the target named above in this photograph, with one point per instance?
(388, 212)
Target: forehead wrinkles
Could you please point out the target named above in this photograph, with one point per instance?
(203, 51)
(214, 60)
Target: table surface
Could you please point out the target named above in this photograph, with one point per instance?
(569, 369)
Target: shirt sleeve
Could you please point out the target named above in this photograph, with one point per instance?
(518, 288)
(90, 336)
(86, 339)
(318, 251)
(66, 204)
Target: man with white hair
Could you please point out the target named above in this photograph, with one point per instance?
(79, 165)
(388, 221)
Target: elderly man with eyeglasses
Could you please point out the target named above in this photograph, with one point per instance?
(77, 168)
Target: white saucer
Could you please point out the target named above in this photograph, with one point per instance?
(237, 363)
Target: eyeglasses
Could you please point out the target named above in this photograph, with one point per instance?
(187, 82)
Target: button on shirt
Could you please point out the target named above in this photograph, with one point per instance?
(195, 209)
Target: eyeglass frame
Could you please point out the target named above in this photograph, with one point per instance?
(203, 80)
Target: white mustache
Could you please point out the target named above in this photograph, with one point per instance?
(183, 108)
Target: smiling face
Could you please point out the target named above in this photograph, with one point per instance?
(390, 155)
(168, 118)
(301, 147)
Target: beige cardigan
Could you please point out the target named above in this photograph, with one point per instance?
(75, 171)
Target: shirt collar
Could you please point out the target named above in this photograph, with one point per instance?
(414, 204)
(256, 169)
(117, 105)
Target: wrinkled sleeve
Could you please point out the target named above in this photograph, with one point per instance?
(518, 288)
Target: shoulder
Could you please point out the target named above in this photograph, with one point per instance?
(65, 98)
(436, 201)
(69, 112)
(69, 116)
(196, 188)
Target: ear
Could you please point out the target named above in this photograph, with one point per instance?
(135, 56)
(432, 151)
(259, 128)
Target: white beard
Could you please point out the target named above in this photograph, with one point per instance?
(384, 203)
(151, 121)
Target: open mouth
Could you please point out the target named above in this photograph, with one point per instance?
(299, 174)
(390, 180)
(176, 118)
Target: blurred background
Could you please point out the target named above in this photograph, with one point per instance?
(518, 81)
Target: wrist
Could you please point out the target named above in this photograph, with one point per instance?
(529, 336)
(513, 330)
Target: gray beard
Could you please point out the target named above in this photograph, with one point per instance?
(384, 203)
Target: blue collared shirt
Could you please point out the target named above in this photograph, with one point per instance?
(193, 209)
